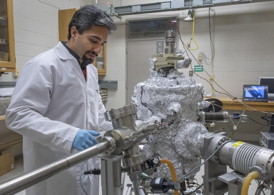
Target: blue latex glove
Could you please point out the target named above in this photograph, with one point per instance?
(84, 139)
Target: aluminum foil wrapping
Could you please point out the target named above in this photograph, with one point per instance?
(173, 100)
(190, 145)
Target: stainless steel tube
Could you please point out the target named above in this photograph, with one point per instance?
(180, 8)
(47, 171)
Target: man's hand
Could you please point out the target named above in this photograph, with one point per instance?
(85, 139)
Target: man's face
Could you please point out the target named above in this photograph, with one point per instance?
(90, 42)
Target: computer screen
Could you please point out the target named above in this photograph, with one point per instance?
(255, 93)
(269, 81)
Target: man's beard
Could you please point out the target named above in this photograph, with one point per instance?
(86, 61)
(92, 53)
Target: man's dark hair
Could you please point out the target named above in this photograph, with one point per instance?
(88, 16)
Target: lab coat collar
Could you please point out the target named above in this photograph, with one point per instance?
(62, 52)
(71, 51)
(84, 63)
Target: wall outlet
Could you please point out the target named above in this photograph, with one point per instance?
(200, 57)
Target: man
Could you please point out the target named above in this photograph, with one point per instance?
(57, 108)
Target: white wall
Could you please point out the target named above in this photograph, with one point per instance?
(116, 67)
(36, 28)
(244, 45)
(244, 41)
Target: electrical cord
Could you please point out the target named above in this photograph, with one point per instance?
(82, 187)
(236, 116)
(256, 122)
(247, 117)
(187, 50)
(242, 114)
(198, 166)
(225, 91)
(192, 183)
(260, 189)
(212, 47)
(195, 189)
(93, 171)
(252, 108)
(218, 130)
(193, 34)
(215, 105)
(259, 123)
(272, 189)
(235, 126)
(129, 186)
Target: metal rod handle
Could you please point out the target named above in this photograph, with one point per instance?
(47, 171)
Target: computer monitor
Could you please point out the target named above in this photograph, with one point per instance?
(269, 81)
(255, 93)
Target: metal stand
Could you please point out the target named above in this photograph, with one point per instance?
(234, 182)
(111, 175)
(31, 178)
(213, 186)
(272, 124)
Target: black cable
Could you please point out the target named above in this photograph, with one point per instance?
(259, 123)
(219, 130)
(185, 47)
(93, 171)
(129, 186)
(195, 189)
(247, 117)
(215, 105)
(213, 88)
(260, 189)
(212, 47)
(82, 187)
(127, 190)
(188, 173)
(272, 189)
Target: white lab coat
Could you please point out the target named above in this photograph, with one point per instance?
(51, 101)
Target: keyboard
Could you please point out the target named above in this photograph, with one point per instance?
(255, 100)
(6, 92)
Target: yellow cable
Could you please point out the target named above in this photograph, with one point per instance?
(172, 172)
(193, 34)
(247, 181)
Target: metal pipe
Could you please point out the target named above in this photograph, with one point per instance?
(47, 171)
(214, 116)
(242, 157)
(187, 7)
